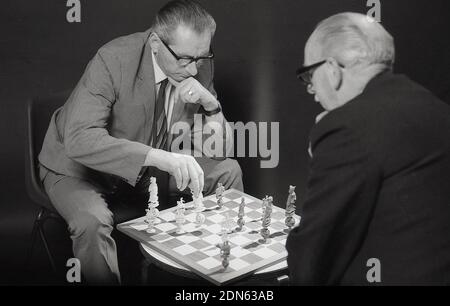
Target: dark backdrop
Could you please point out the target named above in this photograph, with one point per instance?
(258, 45)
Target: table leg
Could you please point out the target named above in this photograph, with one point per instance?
(145, 264)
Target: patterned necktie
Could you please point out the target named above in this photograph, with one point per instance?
(159, 128)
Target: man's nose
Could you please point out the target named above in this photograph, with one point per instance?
(310, 89)
(192, 68)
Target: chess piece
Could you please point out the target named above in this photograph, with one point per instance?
(199, 219)
(266, 220)
(225, 250)
(225, 253)
(198, 201)
(179, 217)
(198, 209)
(153, 190)
(290, 208)
(219, 194)
(227, 224)
(152, 212)
(264, 205)
(149, 221)
(240, 220)
(150, 218)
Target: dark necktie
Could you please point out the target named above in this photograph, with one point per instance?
(159, 128)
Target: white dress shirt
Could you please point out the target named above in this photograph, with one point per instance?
(169, 97)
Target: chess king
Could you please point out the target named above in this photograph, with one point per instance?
(290, 208)
(152, 211)
(113, 132)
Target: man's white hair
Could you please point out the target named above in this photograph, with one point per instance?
(353, 38)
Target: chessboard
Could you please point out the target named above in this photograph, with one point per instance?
(198, 247)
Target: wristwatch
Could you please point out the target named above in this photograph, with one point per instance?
(214, 111)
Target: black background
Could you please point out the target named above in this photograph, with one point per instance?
(258, 46)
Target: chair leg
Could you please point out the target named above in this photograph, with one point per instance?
(47, 249)
(33, 240)
(38, 228)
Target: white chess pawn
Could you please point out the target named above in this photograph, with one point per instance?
(150, 219)
(226, 224)
(200, 219)
(180, 218)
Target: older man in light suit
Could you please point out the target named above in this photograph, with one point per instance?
(113, 132)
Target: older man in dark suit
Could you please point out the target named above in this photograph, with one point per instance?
(114, 132)
(377, 207)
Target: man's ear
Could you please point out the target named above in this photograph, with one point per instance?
(335, 73)
(154, 42)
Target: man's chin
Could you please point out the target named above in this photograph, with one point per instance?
(175, 80)
(179, 79)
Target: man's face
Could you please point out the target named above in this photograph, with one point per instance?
(320, 86)
(185, 43)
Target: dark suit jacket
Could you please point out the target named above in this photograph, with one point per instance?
(106, 123)
(379, 187)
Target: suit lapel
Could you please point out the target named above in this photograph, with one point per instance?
(146, 86)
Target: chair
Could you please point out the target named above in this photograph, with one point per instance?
(39, 112)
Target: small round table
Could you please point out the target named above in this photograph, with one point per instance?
(274, 272)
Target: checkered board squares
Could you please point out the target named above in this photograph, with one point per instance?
(197, 248)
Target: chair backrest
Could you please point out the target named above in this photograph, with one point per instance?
(39, 113)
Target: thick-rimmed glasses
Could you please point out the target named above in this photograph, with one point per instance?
(187, 60)
(305, 73)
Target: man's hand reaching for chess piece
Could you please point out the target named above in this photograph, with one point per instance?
(184, 168)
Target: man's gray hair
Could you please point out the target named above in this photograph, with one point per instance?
(182, 12)
(353, 38)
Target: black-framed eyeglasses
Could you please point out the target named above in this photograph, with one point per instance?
(187, 60)
(305, 73)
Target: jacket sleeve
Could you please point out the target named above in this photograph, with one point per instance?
(341, 193)
(86, 138)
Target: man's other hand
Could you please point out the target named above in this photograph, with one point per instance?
(191, 91)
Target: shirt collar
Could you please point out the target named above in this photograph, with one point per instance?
(159, 74)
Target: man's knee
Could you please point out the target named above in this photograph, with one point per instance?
(91, 223)
(233, 170)
(229, 174)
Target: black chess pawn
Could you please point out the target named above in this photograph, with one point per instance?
(219, 195)
(225, 253)
(240, 221)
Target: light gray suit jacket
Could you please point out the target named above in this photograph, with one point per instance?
(105, 125)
